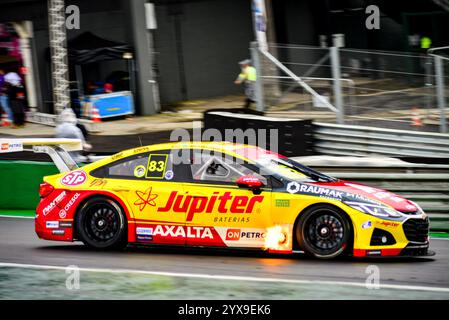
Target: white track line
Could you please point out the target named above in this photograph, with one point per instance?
(228, 277)
(20, 217)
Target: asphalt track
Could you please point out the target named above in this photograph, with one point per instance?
(19, 245)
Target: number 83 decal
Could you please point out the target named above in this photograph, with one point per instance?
(157, 164)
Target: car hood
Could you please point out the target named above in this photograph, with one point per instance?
(396, 201)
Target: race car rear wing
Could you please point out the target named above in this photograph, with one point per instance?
(57, 149)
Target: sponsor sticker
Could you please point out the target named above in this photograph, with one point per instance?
(237, 234)
(145, 198)
(233, 234)
(62, 214)
(58, 232)
(169, 175)
(145, 238)
(11, 147)
(293, 187)
(117, 156)
(71, 201)
(184, 232)
(53, 204)
(388, 224)
(282, 203)
(139, 171)
(224, 203)
(52, 224)
(231, 219)
(373, 252)
(141, 149)
(65, 224)
(367, 224)
(144, 231)
(74, 178)
(100, 183)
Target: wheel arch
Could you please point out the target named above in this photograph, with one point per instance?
(112, 197)
(298, 217)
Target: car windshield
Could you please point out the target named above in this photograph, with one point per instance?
(290, 169)
(274, 163)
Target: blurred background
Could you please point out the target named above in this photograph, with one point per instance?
(162, 54)
(357, 89)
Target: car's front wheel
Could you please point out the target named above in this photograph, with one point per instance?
(101, 224)
(323, 231)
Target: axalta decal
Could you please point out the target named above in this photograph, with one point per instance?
(74, 178)
(224, 203)
(176, 231)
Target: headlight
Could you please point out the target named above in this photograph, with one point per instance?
(373, 209)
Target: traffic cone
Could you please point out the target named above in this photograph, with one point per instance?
(95, 115)
(416, 118)
(5, 120)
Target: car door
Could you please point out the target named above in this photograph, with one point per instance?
(219, 213)
(146, 181)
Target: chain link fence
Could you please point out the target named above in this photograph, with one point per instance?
(376, 88)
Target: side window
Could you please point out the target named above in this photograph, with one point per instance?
(216, 169)
(128, 167)
(154, 165)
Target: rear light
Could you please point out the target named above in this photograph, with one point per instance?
(45, 189)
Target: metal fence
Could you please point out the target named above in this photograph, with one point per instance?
(375, 88)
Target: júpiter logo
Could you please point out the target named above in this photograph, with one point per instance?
(225, 203)
(74, 178)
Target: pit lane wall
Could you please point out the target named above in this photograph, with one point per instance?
(19, 187)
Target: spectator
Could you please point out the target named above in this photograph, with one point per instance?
(16, 97)
(248, 77)
(13, 78)
(67, 128)
(4, 100)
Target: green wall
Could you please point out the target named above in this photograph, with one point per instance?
(19, 183)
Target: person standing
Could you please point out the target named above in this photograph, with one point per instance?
(4, 99)
(16, 96)
(248, 78)
(68, 128)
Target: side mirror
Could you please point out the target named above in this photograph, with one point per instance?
(250, 182)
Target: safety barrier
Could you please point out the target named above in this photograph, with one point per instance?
(335, 139)
(19, 187)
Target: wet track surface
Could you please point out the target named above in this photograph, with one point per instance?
(19, 244)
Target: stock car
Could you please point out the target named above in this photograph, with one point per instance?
(218, 194)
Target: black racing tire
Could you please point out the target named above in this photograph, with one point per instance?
(324, 231)
(101, 224)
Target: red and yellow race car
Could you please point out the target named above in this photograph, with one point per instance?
(219, 194)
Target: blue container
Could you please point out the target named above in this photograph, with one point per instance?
(109, 104)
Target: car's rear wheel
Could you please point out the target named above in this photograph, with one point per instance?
(323, 231)
(101, 224)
